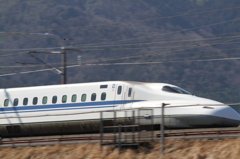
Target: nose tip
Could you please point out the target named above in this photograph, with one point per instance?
(229, 115)
(236, 108)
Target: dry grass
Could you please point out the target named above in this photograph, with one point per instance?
(175, 149)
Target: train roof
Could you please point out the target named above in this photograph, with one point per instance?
(75, 84)
(87, 84)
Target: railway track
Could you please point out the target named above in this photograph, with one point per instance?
(110, 137)
(201, 132)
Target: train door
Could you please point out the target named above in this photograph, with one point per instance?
(119, 97)
(128, 97)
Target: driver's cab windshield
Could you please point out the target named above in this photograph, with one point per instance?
(175, 90)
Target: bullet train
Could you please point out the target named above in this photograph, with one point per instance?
(75, 108)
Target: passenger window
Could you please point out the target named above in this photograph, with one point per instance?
(74, 98)
(119, 91)
(35, 100)
(54, 99)
(44, 100)
(103, 96)
(25, 101)
(64, 99)
(15, 102)
(84, 98)
(6, 102)
(129, 92)
(93, 97)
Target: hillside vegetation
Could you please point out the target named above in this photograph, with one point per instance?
(185, 42)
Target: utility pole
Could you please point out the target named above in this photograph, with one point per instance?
(64, 69)
(162, 128)
(64, 62)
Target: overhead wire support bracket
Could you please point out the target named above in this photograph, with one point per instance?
(60, 42)
(45, 35)
(53, 68)
(42, 52)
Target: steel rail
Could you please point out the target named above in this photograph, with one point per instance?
(85, 138)
(202, 133)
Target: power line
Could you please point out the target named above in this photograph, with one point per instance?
(50, 48)
(127, 44)
(163, 42)
(149, 46)
(180, 41)
(122, 44)
(138, 47)
(157, 54)
(132, 56)
(152, 41)
(193, 28)
(31, 65)
(101, 60)
(136, 63)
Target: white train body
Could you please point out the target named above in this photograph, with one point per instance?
(59, 109)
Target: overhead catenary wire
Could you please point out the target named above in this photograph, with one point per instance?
(136, 47)
(156, 53)
(167, 42)
(152, 46)
(130, 63)
(178, 31)
(93, 62)
(32, 65)
(189, 39)
(132, 56)
(179, 41)
(26, 49)
(123, 44)
(101, 60)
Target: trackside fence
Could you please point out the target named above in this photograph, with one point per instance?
(122, 127)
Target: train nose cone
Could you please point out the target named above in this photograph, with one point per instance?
(236, 108)
(217, 113)
(236, 114)
(228, 115)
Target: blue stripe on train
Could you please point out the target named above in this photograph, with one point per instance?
(67, 106)
(57, 109)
